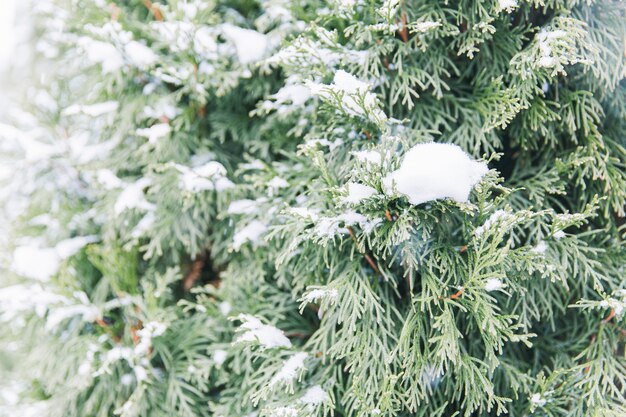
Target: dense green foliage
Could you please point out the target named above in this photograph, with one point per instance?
(203, 221)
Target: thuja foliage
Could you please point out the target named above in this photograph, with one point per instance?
(245, 208)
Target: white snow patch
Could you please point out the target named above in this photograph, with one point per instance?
(297, 94)
(330, 226)
(144, 225)
(497, 217)
(358, 192)
(283, 412)
(251, 45)
(140, 55)
(545, 39)
(266, 335)
(56, 316)
(370, 157)
(70, 247)
(155, 132)
(250, 233)
(219, 356)
(290, 369)
(425, 26)
(225, 308)
(319, 294)
(277, 182)
(149, 331)
(313, 143)
(36, 263)
(133, 197)
(20, 298)
(540, 248)
(244, 206)
(304, 212)
(508, 5)
(493, 284)
(356, 97)
(537, 400)
(209, 176)
(93, 110)
(314, 396)
(433, 171)
(108, 179)
(102, 53)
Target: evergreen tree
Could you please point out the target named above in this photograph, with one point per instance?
(283, 208)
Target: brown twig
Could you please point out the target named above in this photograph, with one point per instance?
(609, 317)
(194, 274)
(404, 34)
(299, 335)
(154, 9)
(368, 258)
(457, 294)
(133, 331)
(115, 11)
(388, 215)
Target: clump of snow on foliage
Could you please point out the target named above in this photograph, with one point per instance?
(304, 212)
(16, 299)
(537, 400)
(368, 157)
(149, 331)
(546, 39)
(540, 248)
(314, 143)
(421, 27)
(39, 263)
(102, 53)
(508, 5)
(251, 46)
(133, 197)
(93, 110)
(290, 368)
(493, 284)
(206, 177)
(319, 294)
(358, 192)
(283, 412)
(140, 55)
(254, 330)
(155, 132)
(252, 232)
(496, 218)
(244, 206)
(329, 226)
(434, 171)
(144, 225)
(314, 395)
(108, 179)
(353, 95)
(219, 356)
(36, 263)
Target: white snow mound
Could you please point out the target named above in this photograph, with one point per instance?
(434, 171)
